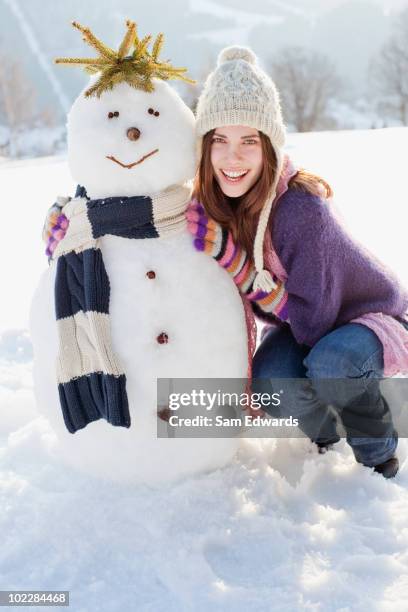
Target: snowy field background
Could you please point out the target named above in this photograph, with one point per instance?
(280, 529)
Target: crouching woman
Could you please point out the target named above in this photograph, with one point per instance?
(336, 314)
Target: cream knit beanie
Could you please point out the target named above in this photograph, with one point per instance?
(239, 92)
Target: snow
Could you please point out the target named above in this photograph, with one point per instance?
(31, 187)
(281, 528)
(34, 141)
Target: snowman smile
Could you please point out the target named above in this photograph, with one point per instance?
(139, 161)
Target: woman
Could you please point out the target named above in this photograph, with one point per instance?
(338, 313)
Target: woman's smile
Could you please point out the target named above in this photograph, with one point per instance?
(234, 176)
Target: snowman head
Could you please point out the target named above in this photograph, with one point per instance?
(130, 142)
(129, 132)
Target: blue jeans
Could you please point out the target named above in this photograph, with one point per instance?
(352, 351)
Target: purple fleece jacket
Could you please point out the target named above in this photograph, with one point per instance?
(331, 277)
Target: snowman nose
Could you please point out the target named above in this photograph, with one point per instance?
(133, 133)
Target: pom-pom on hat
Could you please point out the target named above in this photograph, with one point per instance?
(239, 92)
(233, 53)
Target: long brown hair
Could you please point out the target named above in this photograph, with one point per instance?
(241, 218)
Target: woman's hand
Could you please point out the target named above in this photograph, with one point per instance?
(208, 234)
(55, 225)
(211, 238)
(218, 242)
(78, 232)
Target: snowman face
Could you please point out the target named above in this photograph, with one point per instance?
(131, 142)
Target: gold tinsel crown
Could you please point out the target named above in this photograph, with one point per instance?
(133, 63)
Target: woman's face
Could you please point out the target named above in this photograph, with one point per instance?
(236, 157)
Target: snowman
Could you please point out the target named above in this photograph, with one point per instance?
(127, 299)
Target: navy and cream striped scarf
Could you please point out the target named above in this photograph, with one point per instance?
(91, 380)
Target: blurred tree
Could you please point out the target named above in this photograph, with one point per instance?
(191, 93)
(388, 73)
(307, 82)
(18, 108)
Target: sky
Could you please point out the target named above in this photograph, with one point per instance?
(36, 31)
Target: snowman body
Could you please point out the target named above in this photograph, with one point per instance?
(159, 288)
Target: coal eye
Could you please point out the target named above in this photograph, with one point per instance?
(151, 111)
(156, 114)
(114, 114)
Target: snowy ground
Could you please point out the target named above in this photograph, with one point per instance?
(280, 529)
